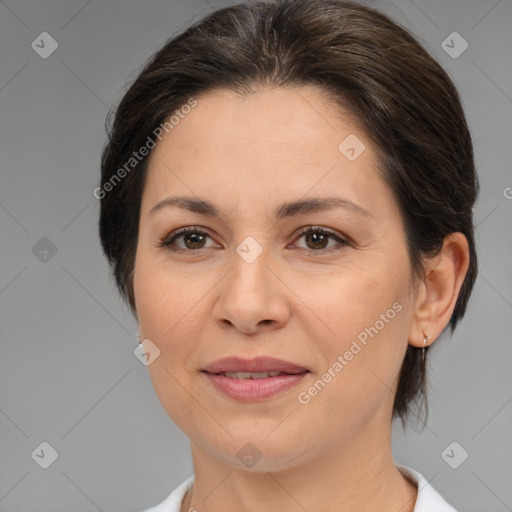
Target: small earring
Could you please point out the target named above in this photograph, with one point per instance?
(138, 337)
(425, 341)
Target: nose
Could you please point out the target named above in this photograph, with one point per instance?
(252, 298)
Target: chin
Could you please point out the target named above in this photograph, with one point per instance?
(258, 454)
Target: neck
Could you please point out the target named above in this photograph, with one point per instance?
(356, 475)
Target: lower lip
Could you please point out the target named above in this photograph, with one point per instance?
(252, 390)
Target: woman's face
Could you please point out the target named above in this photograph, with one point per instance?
(336, 302)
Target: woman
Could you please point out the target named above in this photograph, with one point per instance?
(286, 203)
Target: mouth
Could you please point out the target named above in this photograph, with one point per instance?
(255, 386)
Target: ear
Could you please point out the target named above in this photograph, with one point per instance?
(438, 292)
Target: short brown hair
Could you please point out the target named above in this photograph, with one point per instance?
(368, 64)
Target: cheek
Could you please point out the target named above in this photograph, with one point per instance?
(368, 314)
(159, 297)
(170, 311)
(159, 306)
(167, 317)
(355, 300)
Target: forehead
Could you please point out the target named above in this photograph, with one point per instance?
(257, 148)
(300, 120)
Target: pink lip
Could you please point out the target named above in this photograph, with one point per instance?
(258, 364)
(252, 390)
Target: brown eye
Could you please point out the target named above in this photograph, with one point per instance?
(317, 239)
(192, 239)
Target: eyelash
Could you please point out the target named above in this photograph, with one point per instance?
(168, 242)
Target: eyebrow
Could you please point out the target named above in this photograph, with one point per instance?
(287, 209)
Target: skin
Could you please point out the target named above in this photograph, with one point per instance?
(297, 301)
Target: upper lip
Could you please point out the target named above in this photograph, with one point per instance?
(255, 365)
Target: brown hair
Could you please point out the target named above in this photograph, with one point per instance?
(368, 64)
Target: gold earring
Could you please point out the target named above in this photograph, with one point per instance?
(425, 341)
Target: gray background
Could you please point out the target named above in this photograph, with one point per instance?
(68, 374)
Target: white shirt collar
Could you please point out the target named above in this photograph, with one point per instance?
(428, 499)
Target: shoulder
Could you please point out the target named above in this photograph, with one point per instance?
(173, 502)
(428, 498)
